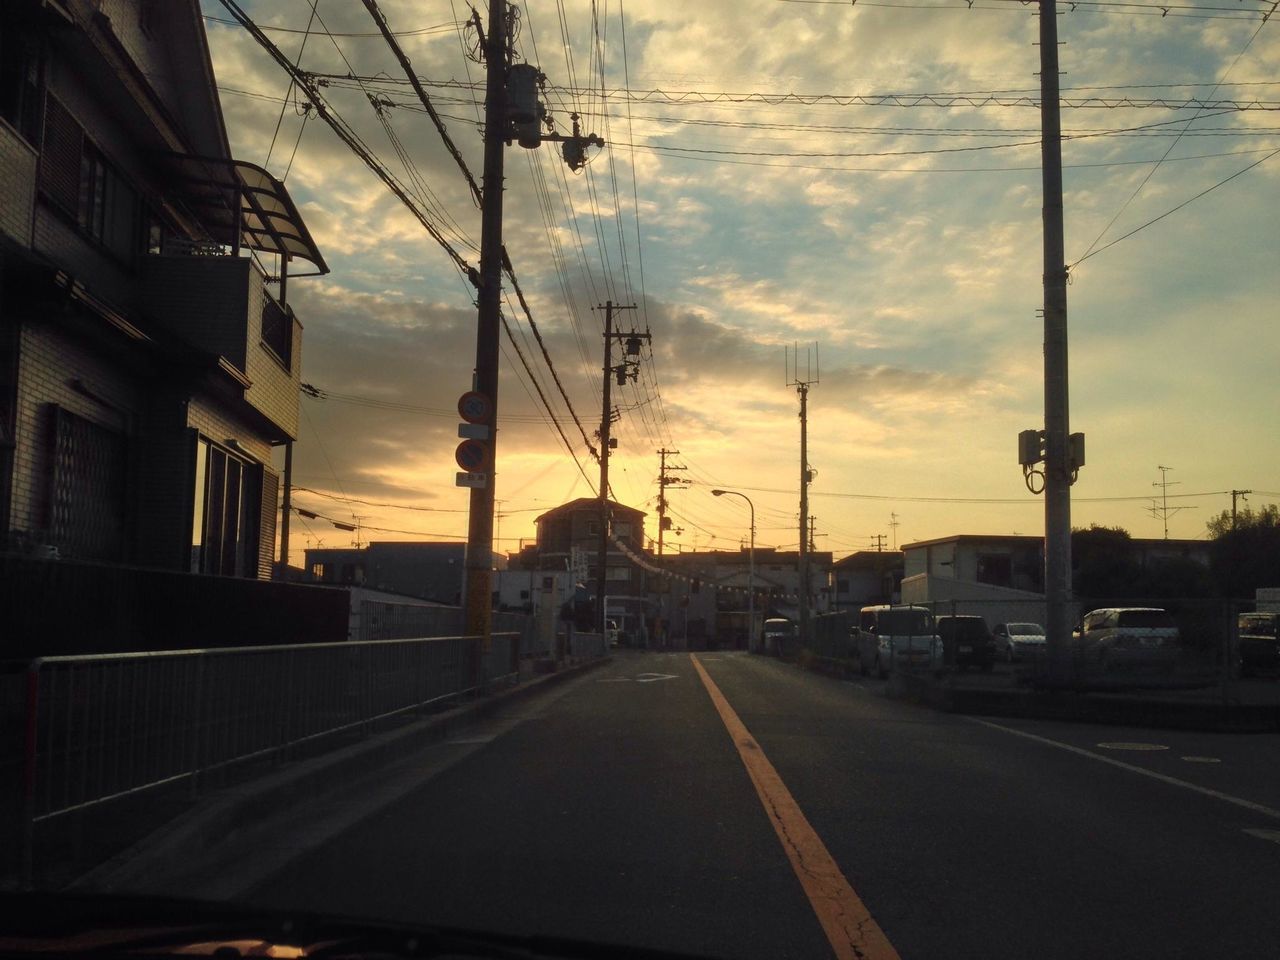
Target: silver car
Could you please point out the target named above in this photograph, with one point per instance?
(1127, 638)
(1019, 641)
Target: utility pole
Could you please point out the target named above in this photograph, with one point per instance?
(1058, 453)
(879, 539)
(1240, 494)
(513, 112)
(813, 522)
(806, 476)
(665, 481)
(479, 558)
(628, 369)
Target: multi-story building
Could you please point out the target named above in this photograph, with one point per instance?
(428, 571)
(149, 361)
(866, 577)
(703, 601)
(569, 539)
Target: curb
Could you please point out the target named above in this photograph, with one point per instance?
(1073, 707)
(197, 831)
(1066, 706)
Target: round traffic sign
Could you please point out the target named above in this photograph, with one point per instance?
(472, 455)
(475, 407)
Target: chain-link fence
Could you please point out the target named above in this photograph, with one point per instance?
(1222, 647)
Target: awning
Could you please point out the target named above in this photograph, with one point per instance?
(226, 195)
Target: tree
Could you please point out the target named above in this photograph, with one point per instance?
(1248, 518)
(1104, 563)
(1246, 557)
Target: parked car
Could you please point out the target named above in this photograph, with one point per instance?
(1259, 646)
(1018, 641)
(966, 641)
(1127, 638)
(890, 638)
(777, 633)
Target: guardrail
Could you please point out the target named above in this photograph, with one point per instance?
(101, 728)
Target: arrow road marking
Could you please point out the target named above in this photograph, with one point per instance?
(651, 677)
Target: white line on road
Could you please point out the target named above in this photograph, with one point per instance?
(1133, 768)
(1272, 835)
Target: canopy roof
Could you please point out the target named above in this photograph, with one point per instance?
(225, 194)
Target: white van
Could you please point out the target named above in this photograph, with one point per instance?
(890, 637)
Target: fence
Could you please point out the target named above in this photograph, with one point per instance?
(102, 728)
(1204, 650)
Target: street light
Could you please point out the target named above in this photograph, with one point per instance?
(751, 569)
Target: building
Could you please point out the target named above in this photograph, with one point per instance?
(866, 577)
(149, 361)
(568, 538)
(436, 572)
(1002, 577)
(702, 600)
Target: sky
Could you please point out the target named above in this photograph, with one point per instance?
(750, 202)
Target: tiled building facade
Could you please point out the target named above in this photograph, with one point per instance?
(148, 365)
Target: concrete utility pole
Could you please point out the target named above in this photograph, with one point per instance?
(479, 561)
(806, 476)
(665, 481)
(513, 112)
(1058, 468)
(286, 507)
(628, 368)
(879, 539)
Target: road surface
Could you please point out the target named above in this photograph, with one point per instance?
(627, 807)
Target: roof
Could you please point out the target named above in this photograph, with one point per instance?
(582, 503)
(230, 196)
(869, 560)
(1016, 540)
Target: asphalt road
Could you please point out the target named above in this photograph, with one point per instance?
(622, 810)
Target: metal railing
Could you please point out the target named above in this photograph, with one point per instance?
(105, 727)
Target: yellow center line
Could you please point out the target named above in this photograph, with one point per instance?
(849, 927)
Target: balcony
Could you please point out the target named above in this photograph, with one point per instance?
(220, 305)
(17, 185)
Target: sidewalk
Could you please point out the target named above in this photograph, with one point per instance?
(113, 846)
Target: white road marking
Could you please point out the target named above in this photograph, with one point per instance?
(1272, 835)
(1202, 759)
(472, 740)
(1133, 768)
(651, 677)
(1132, 746)
(615, 680)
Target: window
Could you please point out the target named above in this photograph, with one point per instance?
(593, 528)
(227, 501)
(277, 331)
(622, 529)
(618, 574)
(19, 82)
(107, 207)
(87, 490)
(317, 571)
(995, 569)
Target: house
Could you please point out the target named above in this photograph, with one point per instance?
(149, 360)
(866, 577)
(568, 538)
(427, 571)
(701, 598)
